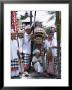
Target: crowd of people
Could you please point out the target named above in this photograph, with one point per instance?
(21, 58)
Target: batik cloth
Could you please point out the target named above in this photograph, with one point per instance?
(26, 61)
(14, 64)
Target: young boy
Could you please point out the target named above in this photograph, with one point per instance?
(27, 49)
(37, 61)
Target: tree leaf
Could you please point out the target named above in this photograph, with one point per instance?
(23, 17)
(51, 18)
(51, 12)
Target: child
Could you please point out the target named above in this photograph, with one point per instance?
(14, 57)
(20, 48)
(37, 61)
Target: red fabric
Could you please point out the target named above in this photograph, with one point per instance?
(14, 21)
(51, 68)
(14, 69)
(26, 67)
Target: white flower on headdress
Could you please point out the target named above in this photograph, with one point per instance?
(36, 51)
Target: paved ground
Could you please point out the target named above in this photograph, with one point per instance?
(34, 75)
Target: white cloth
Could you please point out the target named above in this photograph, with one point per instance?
(17, 72)
(35, 51)
(13, 73)
(26, 44)
(51, 44)
(14, 48)
(21, 69)
(34, 59)
(20, 41)
(37, 65)
(55, 35)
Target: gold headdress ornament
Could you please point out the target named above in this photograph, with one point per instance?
(40, 31)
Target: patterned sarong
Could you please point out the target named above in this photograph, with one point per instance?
(26, 61)
(14, 64)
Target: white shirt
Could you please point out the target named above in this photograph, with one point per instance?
(26, 44)
(34, 59)
(55, 35)
(37, 65)
(51, 44)
(14, 48)
(20, 41)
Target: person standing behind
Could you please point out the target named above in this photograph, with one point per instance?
(20, 50)
(51, 48)
(14, 57)
(27, 49)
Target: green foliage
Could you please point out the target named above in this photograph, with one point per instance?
(53, 15)
(23, 17)
(51, 18)
(51, 12)
(47, 29)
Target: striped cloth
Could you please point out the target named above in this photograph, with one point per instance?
(14, 64)
(26, 61)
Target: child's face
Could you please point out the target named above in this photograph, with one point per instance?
(20, 35)
(50, 35)
(13, 36)
(28, 31)
(37, 54)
